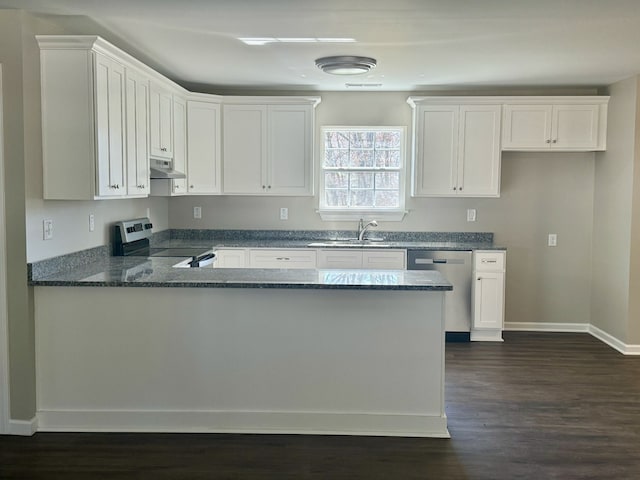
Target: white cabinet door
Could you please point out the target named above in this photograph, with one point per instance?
(245, 149)
(179, 185)
(488, 293)
(479, 151)
(540, 127)
(290, 143)
(575, 127)
(526, 127)
(384, 259)
(338, 258)
(275, 258)
(160, 122)
(110, 127)
(137, 108)
(436, 155)
(230, 258)
(488, 289)
(457, 150)
(203, 139)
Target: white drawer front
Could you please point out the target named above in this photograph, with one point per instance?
(384, 259)
(268, 258)
(489, 261)
(336, 258)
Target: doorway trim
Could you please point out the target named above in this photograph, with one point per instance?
(4, 327)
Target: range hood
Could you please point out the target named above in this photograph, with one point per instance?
(163, 169)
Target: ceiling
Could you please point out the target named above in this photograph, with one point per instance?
(419, 44)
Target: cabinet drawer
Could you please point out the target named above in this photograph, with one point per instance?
(230, 258)
(267, 258)
(489, 261)
(384, 259)
(335, 258)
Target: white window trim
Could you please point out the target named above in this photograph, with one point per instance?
(334, 214)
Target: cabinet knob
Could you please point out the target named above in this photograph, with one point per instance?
(555, 140)
(264, 186)
(479, 278)
(269, 186)
(191, 186)
(140, 186)
(163, 149)
(454, 188)
(548, 140)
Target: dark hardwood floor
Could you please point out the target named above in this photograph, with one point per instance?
(539, 406)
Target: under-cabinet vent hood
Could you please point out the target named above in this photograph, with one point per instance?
(164, 169)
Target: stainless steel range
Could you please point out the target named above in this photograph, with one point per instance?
(131, 238)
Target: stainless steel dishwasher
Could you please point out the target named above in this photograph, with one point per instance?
(456, 267)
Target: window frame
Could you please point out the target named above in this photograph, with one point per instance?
(349, 214)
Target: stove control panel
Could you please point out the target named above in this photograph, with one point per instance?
(133, 230)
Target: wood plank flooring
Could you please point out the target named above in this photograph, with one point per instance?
(539, 406)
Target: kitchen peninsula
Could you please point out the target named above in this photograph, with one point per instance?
(240, 350)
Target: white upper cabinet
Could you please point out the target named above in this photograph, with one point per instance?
(555, 123)
(137, 121)
(456, 149)
(268, 146)
(161, 122)
(110, 126)
(84, 129)
(179, 185)
(203, 147)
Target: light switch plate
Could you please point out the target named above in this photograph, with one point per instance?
(553, 240)
(197, 212)
(47, 229)
(92, 223)
(284, 213)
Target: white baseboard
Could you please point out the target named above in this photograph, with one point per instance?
(23, 428)
(547, 327)
(316, 423)
(613, 342)
(601, 335)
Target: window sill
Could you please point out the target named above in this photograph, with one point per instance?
(350, 216)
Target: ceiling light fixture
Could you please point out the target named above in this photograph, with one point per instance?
(346, 64)
(267, 40)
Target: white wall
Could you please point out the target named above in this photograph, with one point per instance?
(541, 193)
(613, 196)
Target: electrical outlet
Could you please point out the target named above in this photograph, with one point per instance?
(47, 229)
(92, 223)
(284, 213)
(471, 215)
(553, 240)
(197, 212)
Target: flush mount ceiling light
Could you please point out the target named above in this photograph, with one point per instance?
(345, 64)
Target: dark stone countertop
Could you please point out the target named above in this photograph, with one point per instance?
(159, 272)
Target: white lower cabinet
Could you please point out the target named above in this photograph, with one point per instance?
(488, 288)
(365, 259)
(231, 258)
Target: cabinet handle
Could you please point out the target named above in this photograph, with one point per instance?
(115, 186)
(283, 258)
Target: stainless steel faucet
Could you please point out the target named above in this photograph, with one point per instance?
(362, 228)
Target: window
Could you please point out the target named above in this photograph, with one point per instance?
(362, 172)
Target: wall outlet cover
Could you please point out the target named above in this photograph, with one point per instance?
(92, 223)
(284, 213)
(197, 212)
(47, 229)
(471, 215)
(553, 240)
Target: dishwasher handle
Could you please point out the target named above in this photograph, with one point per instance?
(431, 261)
